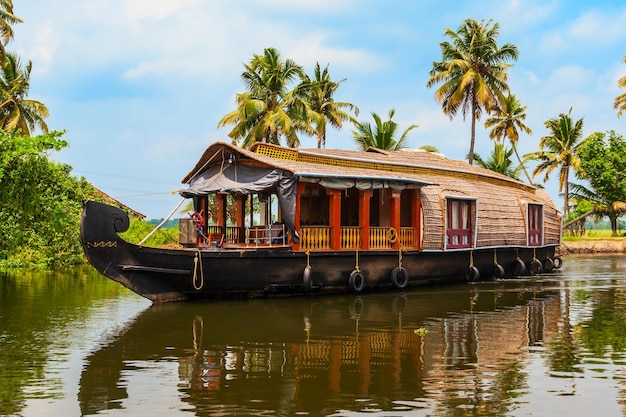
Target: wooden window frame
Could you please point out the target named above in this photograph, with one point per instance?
(460, 237)
(535, 222)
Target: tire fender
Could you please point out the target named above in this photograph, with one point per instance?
(472, 274)
(547, 264)
(497, 271)
(399, 277)
(518, 267)
(534, 267)
(357, 280)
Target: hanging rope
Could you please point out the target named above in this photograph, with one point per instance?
(400, 258)
(356, 267)
(495, 257)
(195, 272)
(308, 254)
(471, 259)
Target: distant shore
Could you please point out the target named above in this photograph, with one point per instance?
(593, 246)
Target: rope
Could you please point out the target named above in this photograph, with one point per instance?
(195, 272)
(471, 259)
(534, 254)
(495, 257)
(400, 258)
(308, 254)
(357, 260)
(162, 223)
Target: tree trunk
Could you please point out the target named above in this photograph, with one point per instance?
(470, 157)
(566, 195)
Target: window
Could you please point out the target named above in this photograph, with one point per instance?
(459, 226)
(535, 224)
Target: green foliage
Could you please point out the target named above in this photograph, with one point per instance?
(499, 161)
(603, 164)
(382, 135)
(472, 72)
(139, 229)
(40, 204)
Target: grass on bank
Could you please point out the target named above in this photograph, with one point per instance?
(591, 235)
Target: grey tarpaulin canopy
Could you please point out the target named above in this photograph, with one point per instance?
(242, 179)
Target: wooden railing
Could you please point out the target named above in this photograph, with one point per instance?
(379, 238)
(319, 237)
(407, 237)
(350, 237)
(315, 237)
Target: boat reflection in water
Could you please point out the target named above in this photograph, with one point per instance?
(436, 349)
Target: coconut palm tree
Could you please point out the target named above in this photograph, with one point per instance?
(507, 122)
(499, 161)
(601, 205)
(7, 18)
(16, 110)
(472, 72)
(318, 93)
(382, 135)
(558, 152)
(270, 109)
(620, 101)
(429, 148)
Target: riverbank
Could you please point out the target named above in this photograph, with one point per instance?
(613, 245)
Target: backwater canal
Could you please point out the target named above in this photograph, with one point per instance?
(75, 343)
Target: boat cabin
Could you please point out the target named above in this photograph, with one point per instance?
(336, 200)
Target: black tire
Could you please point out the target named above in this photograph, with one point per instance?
(306, 278)
(558, 262)
(547, 264)
(497, 271)
(357, 281)
(518, 267)
(534, 267)
(399, 277)
(472, 274)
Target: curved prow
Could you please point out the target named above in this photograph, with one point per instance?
(117, 259)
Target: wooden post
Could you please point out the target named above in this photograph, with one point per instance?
(239, 215)
(394, 215)
(221, 211)
(334, 217)
(416, 217)
(364, 217)
(296, 220)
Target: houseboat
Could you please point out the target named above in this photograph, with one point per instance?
(278, 221)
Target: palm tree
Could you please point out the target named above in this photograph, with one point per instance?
(318, 93)
(507, 122)
(499, 161)
(601, 205)
(7, 18)
(472, 72)
(16, 111)
(429, 148)
(382, 135)
(269, 109)
(558, 152)
(620, 101)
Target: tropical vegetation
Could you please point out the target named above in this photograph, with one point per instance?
(282, 101)
(620, 101)
(382, 135)
(507, 122)
(472, 72)
(558, 152)
(603, 166)
(499, 161)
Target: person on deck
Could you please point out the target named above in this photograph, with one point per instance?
(199, 221)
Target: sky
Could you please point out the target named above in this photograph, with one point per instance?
(140, 85)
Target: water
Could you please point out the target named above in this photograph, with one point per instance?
(75, 343)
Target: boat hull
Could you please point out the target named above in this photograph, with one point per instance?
(188, 273)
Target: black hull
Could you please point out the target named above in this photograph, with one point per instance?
(181, 274)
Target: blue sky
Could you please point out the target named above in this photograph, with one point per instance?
(139, 85)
